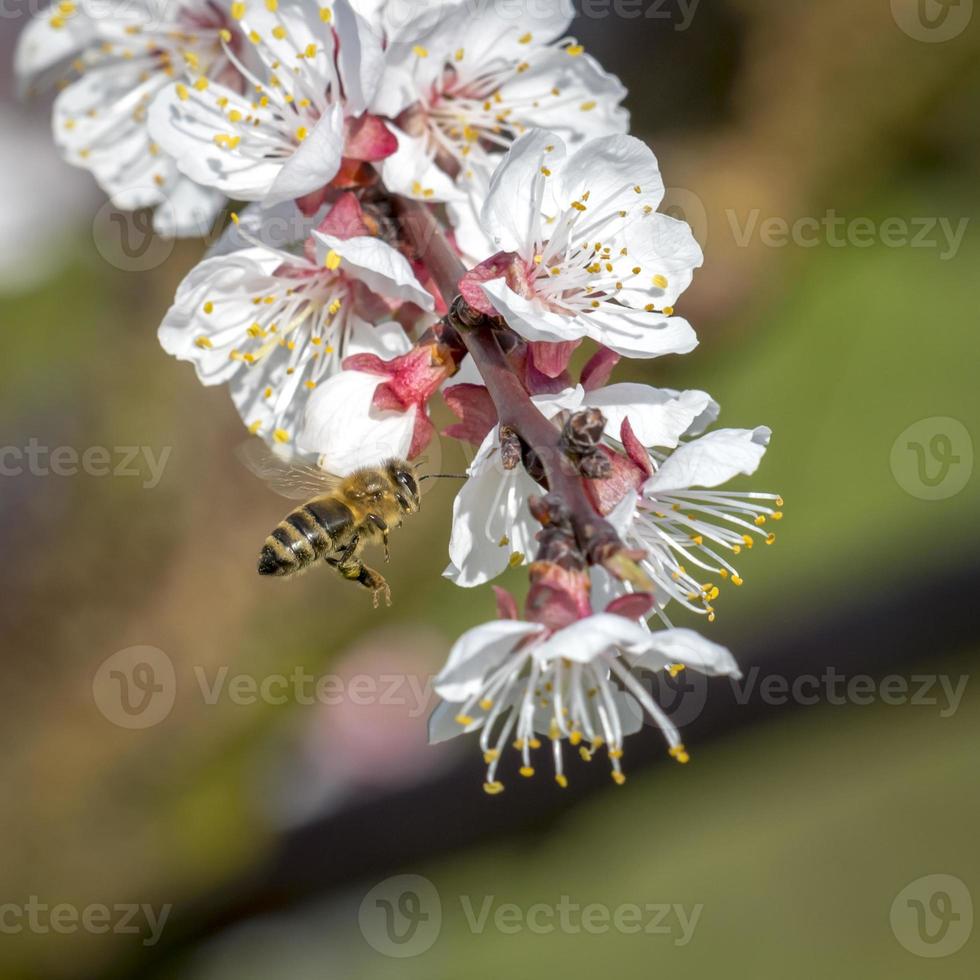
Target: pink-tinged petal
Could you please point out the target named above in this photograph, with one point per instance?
(506, 604)
(310, 203)
(538, 383)
(474, 408)
(553, 359)
(599, 369)
(368, 363)
(626, 476)
(423, 434)
(346, 219)
(634, 448)
(385, 400)
(504, 265)
(369, 139)
(636, 605)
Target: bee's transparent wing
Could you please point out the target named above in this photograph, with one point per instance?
(292, 479)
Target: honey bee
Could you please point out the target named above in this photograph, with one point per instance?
(340, 516)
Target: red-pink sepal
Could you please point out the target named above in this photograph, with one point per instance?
(504, 265)
(474, 408)
(599, 369)
(506, 604)
(346, 219)
(552, 360)
(310, 203)
(626, 475)
(635, 605)
(367, 138)
(635, 449)
(558, 596)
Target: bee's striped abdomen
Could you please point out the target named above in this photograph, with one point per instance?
(308, 534)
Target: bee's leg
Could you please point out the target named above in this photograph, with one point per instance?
(383, 528)
(356, 571)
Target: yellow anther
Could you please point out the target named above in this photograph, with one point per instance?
(464, 720)
(486, 704)
(281, 436)
(749, 542)
(182, 92)
(525, 38)
(588, 106)
(204, 343)
(546, 171)
(771, 539)
(279, 32)
(272, 6)
(668, 311)
(534, 743)
(237, 11)
(760, 520)
(615, 753)
(526, 771)
(777, 515)
(255, 428)
(209, 307)
(679, 753)
(491, 755)
(234, 217)
(225, 35)
(326, 15)
(516, 559)
(618, 777)
(492, 789)
(575, 50)
(302, 133)
(333, 260)
(460, 54)
(575, 738)
(675, 669)
(737, 580)
(585, 754)
(660, 282)
(562, 780)
(420, 52)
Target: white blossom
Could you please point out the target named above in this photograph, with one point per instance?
(492, 526)
(593, 256)
(518, 679)
(274, 323)
(284, 133)
(112, 69)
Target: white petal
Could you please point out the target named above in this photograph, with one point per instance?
(663, 247)
(659, 418)
(711, 460)
(412, 172)
(585, 640)
(343, 427)
(636, 333)
(610, 169)
(377, 265)
(189, 210)
(186, 129)
(443, 725)
(43, 51)
(684, 646)
(361, 59)
(531, 319)
(478, 652)
(315, 161)
(512, 212)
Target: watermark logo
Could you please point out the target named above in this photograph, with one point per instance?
(932, 917)
(933, 458)
(127, 239)
(401, 916)
(933, 21)
(136, 687)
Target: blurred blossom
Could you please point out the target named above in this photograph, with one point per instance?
(366, 728)
(41, 198)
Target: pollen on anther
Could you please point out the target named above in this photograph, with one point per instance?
(526, 771)
(492, 789)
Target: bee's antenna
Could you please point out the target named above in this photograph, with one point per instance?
(443, 476)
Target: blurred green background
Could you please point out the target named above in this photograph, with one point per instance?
(265, 825)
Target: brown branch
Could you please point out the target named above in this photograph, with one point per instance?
(596, 537)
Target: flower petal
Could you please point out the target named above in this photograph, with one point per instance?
(478, 652)
(684, 646)
(712, 459)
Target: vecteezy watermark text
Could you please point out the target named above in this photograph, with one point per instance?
(838, 231)
(124, 462)
(40, 918)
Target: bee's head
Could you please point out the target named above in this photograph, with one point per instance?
(406, 485)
